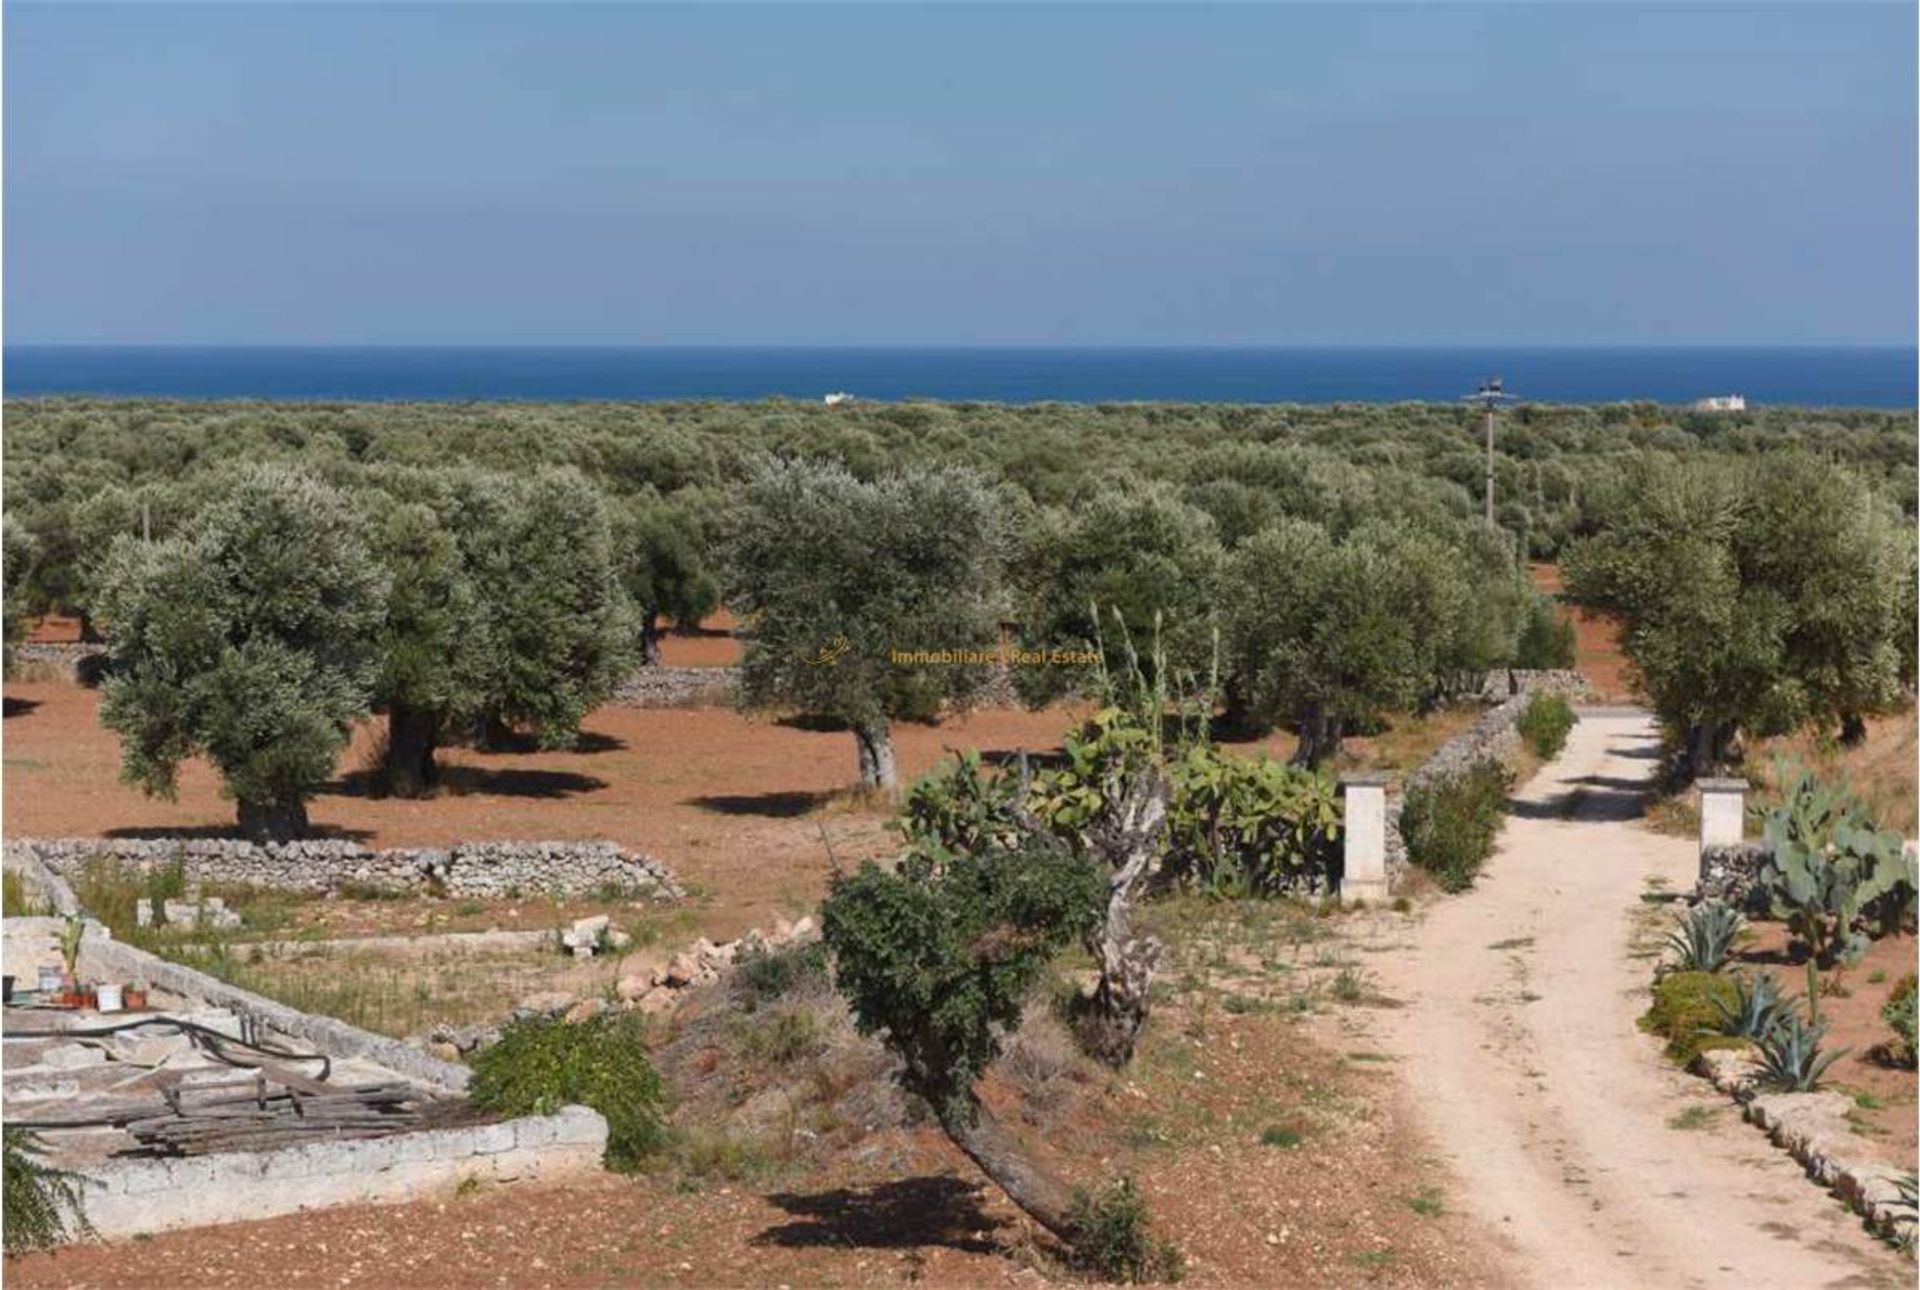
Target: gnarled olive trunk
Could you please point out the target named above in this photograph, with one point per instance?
(280, 821)
(1319, 737)
(412, 735)
(649, 638)
(1853, 729)
(1708, 745)
(987, 1143)
(1128, 839)
(875, 741)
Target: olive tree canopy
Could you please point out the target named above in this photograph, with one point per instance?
(249, 638)
(866, 602)
(1758, 598)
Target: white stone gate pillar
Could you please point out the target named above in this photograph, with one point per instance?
(1365, 837)
(1723, 817)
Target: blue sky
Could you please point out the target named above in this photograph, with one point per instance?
(799, 174)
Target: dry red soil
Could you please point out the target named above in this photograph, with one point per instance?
(1850, 1005)
(743, 810)
(1596, 642)
(1337, 1208)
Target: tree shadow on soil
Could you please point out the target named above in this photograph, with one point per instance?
(525, 743)
(19, 707)
(480, 781)
(778, 806)
(911, 1212)
(184, 832)
(1598, 798)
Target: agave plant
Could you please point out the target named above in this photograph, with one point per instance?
(1756, 1008)
(1790, 1056)
(1702, 941)
(1906, 1211)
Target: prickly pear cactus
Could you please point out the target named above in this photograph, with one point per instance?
(1830, 870)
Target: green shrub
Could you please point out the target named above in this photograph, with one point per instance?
(764, 975)
(1545, 723)
(1113, 1239)
(1900, 1014)
(1546, 639)
(541, 1064)
(42, 1205)
(1687, 1010)
(1449, 826)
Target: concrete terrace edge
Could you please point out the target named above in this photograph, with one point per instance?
(134, 1197)
(108, 957)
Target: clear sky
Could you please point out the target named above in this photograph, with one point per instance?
(1346, 173)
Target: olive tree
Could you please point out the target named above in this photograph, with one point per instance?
(663, 564)
(866, 602)
(1756, 599)
(561, 628)
(16, 565)
(1132, 564)
(249, 638)
(433, 645)
(1320, 634)
(938, 960)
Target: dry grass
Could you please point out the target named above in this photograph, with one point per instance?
(1880, 770)
(401, 994)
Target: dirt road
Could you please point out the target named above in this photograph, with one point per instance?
(1519, 1042)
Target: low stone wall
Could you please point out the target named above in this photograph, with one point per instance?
(1495, 736)
(678, 687)
(1505, 682)
(484, 870)
(69, 658)
(1813, 1128)
(1728, 873)
(127, 1198)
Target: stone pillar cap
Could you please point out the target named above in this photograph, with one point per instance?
(1364, 779)
(1722, 785)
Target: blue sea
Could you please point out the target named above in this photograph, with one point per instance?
(1865, 377)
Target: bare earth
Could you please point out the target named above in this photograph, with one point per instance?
(1519, 1037)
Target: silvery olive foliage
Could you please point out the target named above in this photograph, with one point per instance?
(249, 638)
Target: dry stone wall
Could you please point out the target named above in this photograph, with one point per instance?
(678, 687)
(1729, 873)
(481, 870)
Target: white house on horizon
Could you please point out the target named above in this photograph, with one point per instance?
(1721, 403)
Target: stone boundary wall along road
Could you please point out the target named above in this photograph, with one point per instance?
(1494, 736)
(1813, 1128)
(483, 870)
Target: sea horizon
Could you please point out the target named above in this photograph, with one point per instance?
(1862, 376)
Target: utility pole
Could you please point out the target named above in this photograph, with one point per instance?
(1490, 396)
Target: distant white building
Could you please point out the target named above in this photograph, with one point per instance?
(836, 398)
(1721, 403)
